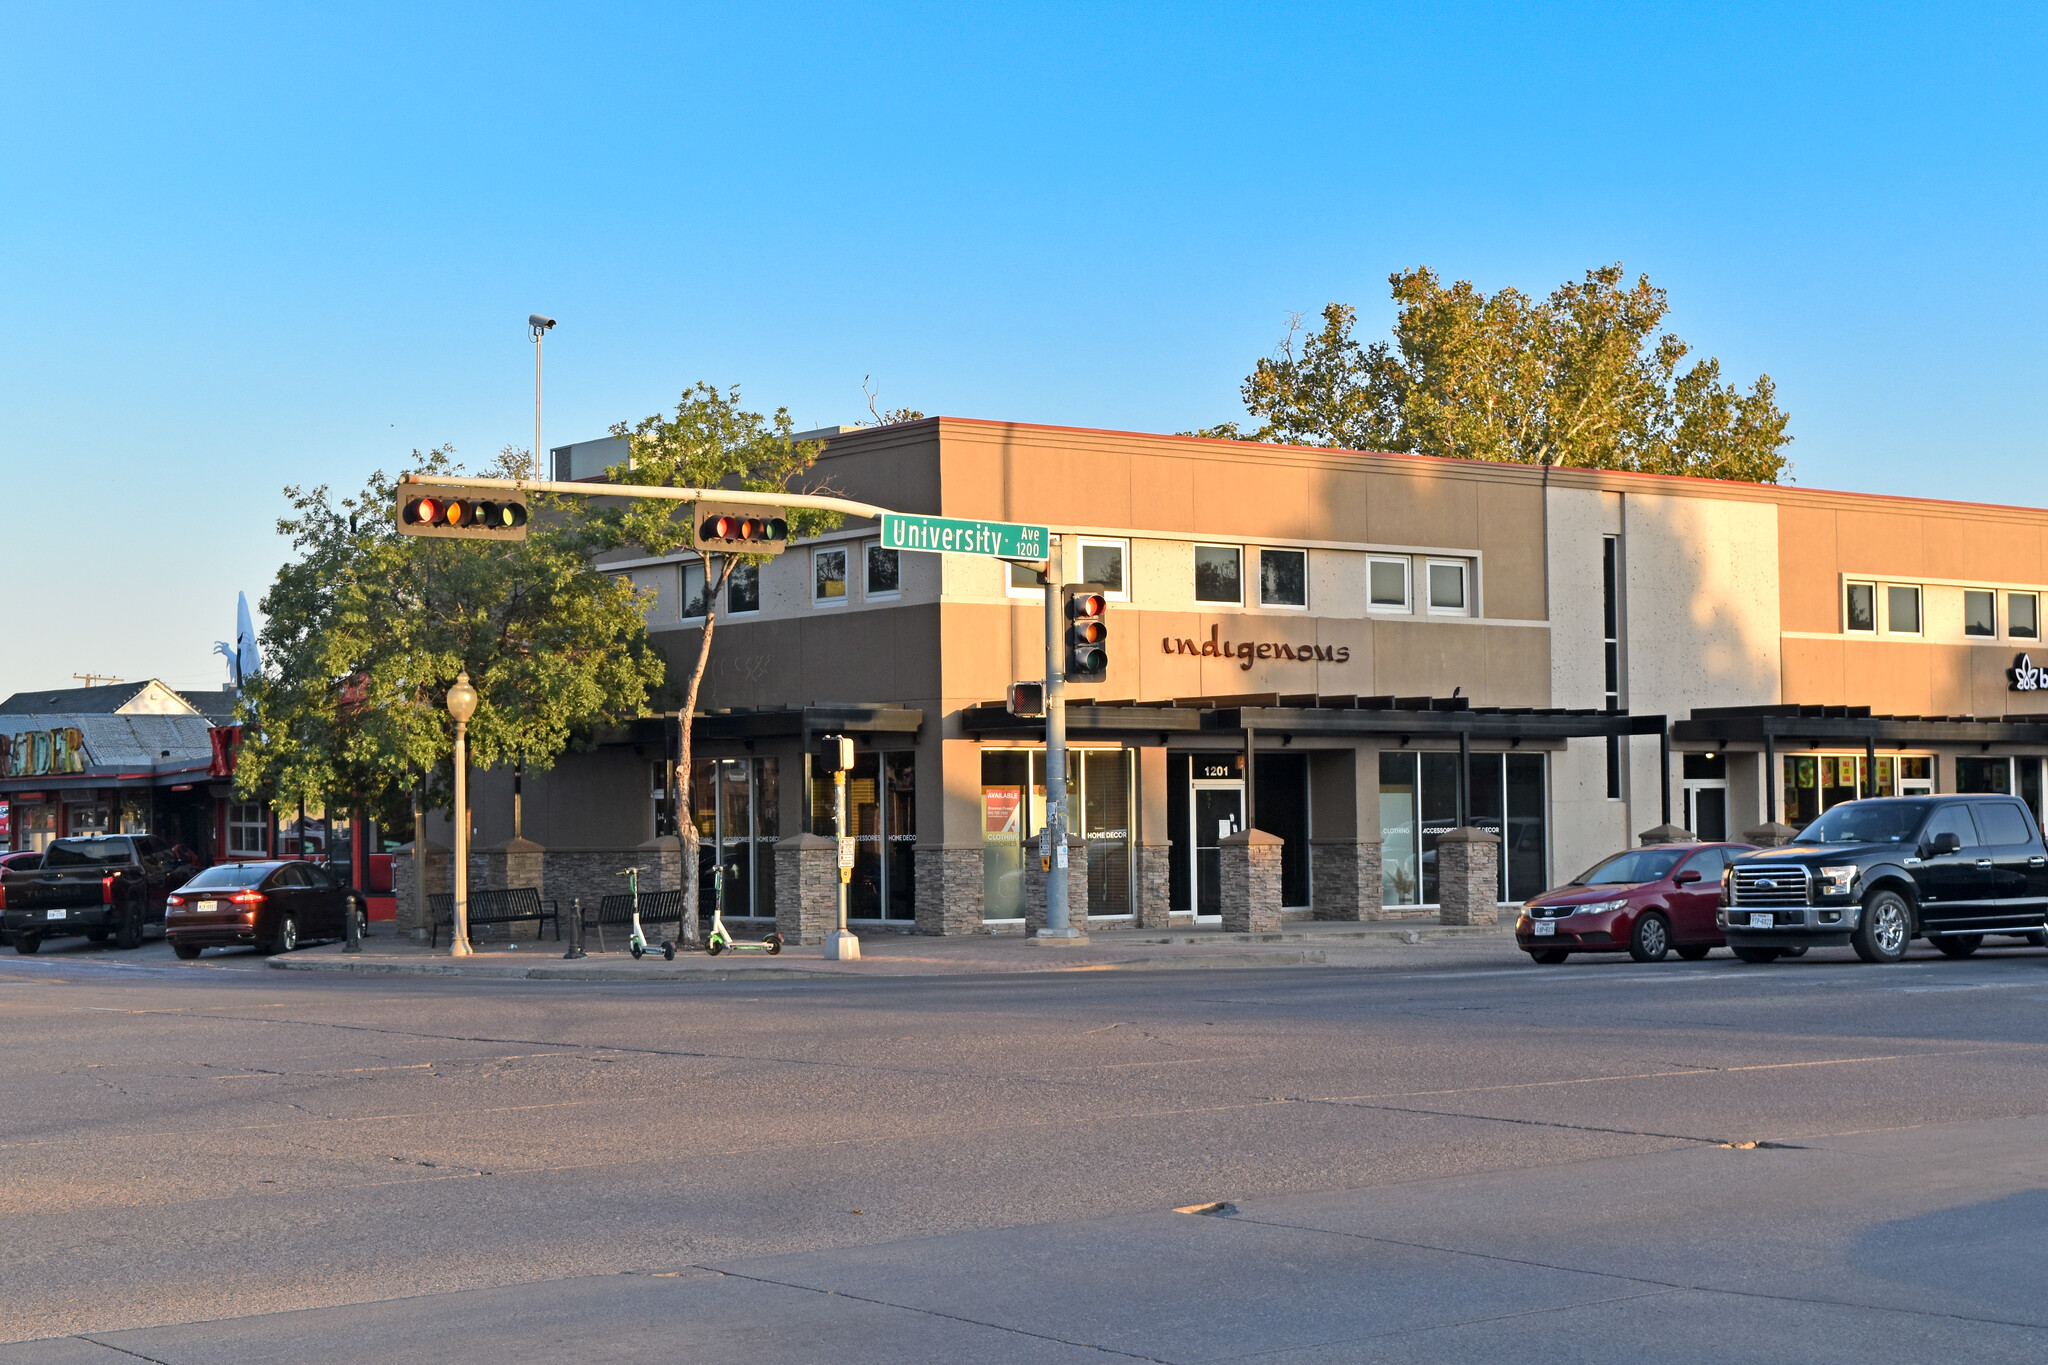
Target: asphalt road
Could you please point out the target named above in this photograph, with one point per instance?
(1450, 1156)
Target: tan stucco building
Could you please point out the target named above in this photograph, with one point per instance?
(1336, 625)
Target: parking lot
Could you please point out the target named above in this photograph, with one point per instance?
(1446, 1154)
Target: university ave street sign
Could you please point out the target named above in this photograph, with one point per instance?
(951, 535)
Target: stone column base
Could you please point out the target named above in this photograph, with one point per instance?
(515, 863)
(1667, 834)
(1155, 886)
(948, 899)
(1344, 875)
(1468, 876)
(806, 888)
(1773, 834)
(1251, 882)
(1077, 888)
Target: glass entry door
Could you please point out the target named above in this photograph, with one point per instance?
(1217, 812)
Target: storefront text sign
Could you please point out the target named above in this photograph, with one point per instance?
(42, 753)
(2025, 677)
(1247, 652)
(951, 535)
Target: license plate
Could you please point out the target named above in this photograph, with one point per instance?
(53, 914)
(1757, 921)
(206, 907)
(1546, 928)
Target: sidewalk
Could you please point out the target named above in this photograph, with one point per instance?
(1301, 944)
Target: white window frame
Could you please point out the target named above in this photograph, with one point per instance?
(683, 590)
(1920, 609)
(1264, 605)
(754, 610)
(1969, 634)
(846, 587)
(1847, 584)
(261, 824)
(1081, 560)
(1031, 592)
(1195, 575)
(867, 596)
(1407, 566)
(2010, 634)
(1464, 568)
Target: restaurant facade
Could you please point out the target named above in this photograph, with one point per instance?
(1356, 652)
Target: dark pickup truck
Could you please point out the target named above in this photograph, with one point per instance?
(1877, 874)
(112, 886)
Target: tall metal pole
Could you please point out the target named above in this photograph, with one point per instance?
(538, 334)
(458, 938)
(1057, 926)
(840, 835)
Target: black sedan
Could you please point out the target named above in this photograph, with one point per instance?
(274, 906)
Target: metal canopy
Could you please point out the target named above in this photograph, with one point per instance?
(1448, 717)
(1758, 724)
(790, 722)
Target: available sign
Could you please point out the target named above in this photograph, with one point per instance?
(953, 536)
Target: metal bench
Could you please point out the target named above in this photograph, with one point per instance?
(656, 907)
(516, 905)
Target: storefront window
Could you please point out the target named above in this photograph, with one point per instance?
(1106, 827)
(1005, 778)
(1099, 791)
(35, 826)
(1984, 775)
(1815, 783)
(248, 831)
(873, 813)
(734, 804)
(86, 817)
(1419, 803)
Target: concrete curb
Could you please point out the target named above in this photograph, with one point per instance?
(540, 972)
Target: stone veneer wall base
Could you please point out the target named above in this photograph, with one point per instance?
(1345, 877)
(948, 898)
(1468, 876)
(1077, 887)
(1155, 886)
(1250, 882)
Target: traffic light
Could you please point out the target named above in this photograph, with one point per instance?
(1087, 633)
(741, 530)
(426, 509)
(838, 755)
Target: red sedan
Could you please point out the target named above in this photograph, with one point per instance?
(1645, 902)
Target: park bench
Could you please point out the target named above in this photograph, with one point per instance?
(656, 907)
(516, 905)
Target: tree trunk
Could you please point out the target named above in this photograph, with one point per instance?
(686, 823)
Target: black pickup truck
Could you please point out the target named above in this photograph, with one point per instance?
(112, 886)
(1877, 874)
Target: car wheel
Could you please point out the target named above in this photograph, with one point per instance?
(1885, 928)
(185, 951)
(1549, 957)
(1650, 940)
(1757, 954)
(1958, 945)
(129, 935)
(26, 944)
(285, 937)
(1693, 952)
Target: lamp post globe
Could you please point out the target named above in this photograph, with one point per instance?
(461, 705)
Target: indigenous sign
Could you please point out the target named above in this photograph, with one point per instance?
(1247, 653)
(950, 535)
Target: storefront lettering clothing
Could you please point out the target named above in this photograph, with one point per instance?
(1245, 652)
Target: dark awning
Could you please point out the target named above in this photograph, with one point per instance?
(786, 722)
(1843, 724)
(1419, 717)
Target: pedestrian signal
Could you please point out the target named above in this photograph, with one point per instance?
(741, 530)
(436, 510)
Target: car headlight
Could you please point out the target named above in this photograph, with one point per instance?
(1838, 881)
(1600, 907)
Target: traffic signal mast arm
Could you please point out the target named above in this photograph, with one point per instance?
(629, 490)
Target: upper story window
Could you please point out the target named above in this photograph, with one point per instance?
(1859, 607)
(1023, 581)
(1283, 578)
(695, 599)
(1980, 612)
(1106, 562)
(828, 576)
(1386, 585)
(882, 574)
(248, 831)
(1219, 575)
(743, 588)
(2023, 615)
(1449, 593)
(1901, 609)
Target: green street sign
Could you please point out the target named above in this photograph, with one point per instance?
(951, 535)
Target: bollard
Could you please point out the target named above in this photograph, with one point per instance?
(575, 929)
(355, 930)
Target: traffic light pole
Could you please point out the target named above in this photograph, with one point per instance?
(822, 501)
(1057, 927)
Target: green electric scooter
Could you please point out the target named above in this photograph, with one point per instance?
(638, 944)
(721, 939)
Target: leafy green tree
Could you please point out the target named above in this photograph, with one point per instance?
(1581, 378)
(367, 629)
(710, 441)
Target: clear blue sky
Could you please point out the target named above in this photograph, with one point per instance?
(249, 246)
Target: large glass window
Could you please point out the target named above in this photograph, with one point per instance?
(248, 831)
(1218, 576)
(1283, 578)
(736, 806)
(1980, 612)
(881, 817)
(1099, 793)
(1419, 803)
(1005, 783)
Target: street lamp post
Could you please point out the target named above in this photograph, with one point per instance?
(461, 705)
(538, 325)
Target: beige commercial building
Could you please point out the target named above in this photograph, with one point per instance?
(1320, 642)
